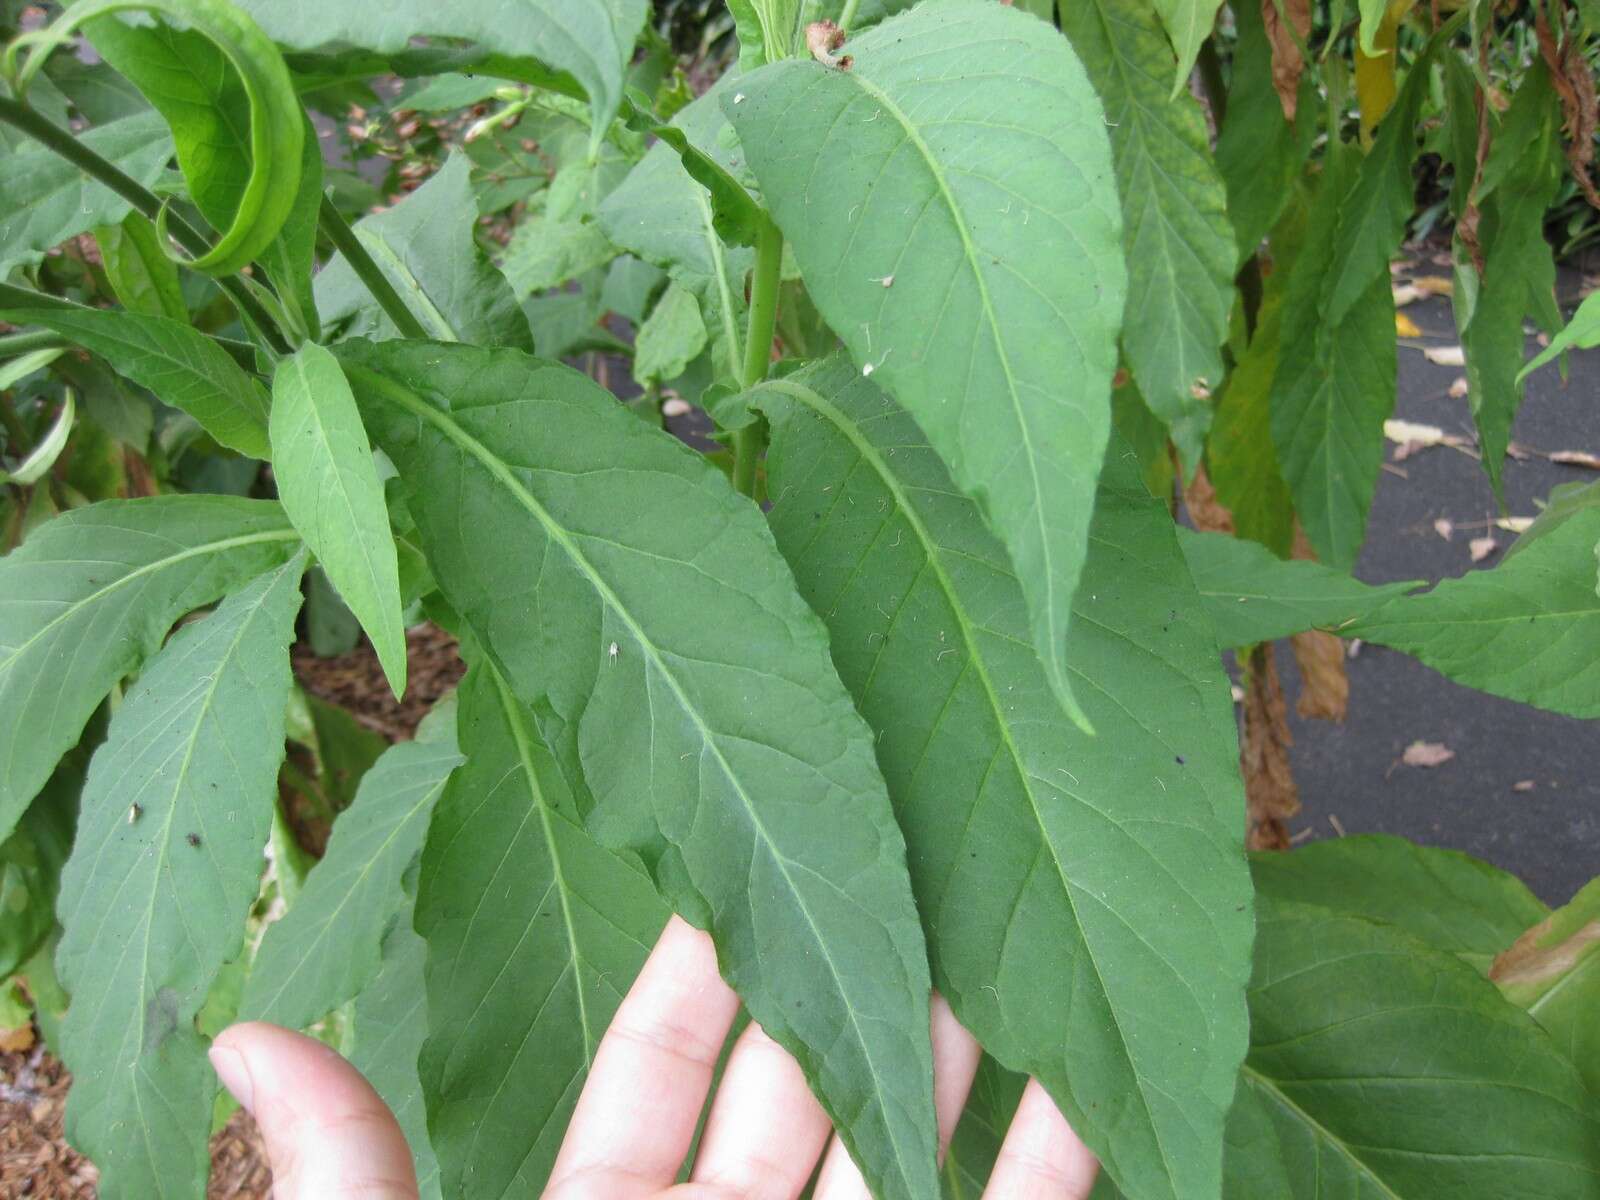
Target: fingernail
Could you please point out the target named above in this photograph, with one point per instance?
(230, 1067)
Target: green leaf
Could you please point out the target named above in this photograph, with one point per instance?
(662, 215)
(1253, 596)
(1047, 863)
(1524, 629)
(985, 278)
(181, 365)
(1259, 152)
(1176, 237)
(671, 336)
(517, 1003)
(1580, 333)
(390, 1021)
(246, 197)
(1520, 180)
(292, 257)
(326, 948)
(590, 39)
(30, 864)
(142, 275)
(1241, 460)
(1452, 901)
(976, 1143)
(544, 254)
(92, 593)
(767, 29)
(176, 810)
(44, 455)
(1332, 393)
(44, 199)
(329, 486)
(425, 246)
(1380, 1067)
(1553, 972)
(715, 763)
(1188, 23)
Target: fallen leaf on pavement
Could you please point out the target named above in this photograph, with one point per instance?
(1576, 458)
(1434, 285)
(1406, 293)
(1444, 527)
(1404, 326)
(1427, 754)
(1522, 785)
(1514, 524)
(1445, 356)
(1481, 547)
(1459, 387)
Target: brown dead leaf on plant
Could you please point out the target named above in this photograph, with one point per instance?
(1427, 754)
(1324, 685)
(1271, 796)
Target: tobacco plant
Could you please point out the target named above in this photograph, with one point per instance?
(910, 679)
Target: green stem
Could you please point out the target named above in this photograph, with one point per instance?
(62, 142)
(13, 344)
(848, 14)
(758, 348)
(344, 240)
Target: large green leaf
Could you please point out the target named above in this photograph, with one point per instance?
(1334, 388)
(44, 199)
(1520, 180)
(670, 337)
(390, 1019)
(534, 934)
(181, 365)
(662, 215)
(1449, 900)
(1380, 1067)
(1553, 971)
(1253, 596)
(142, 274)
(1241, 461)
(638, 603)
(1176, 236)
(1047, 863)
(590, 39)
(987, 201)
(329, 486)
(176, 810)
(1525, 629)
(90, 594)
(546, 253)
(325, 949)
(425, 247)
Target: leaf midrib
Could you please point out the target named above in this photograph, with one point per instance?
(403, 398)
(1270, 1087)
(933, 553)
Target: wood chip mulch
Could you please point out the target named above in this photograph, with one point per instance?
(355, 682)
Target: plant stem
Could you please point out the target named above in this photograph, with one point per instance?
(848, 14)
(758, 348)
(62, 142)
(13, 344)
(344, 240)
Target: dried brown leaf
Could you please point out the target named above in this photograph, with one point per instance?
(1522, 785)
(1525, 961)
(1481, 547)
(1208, 513)
(1324, 685)
(1444, 527)
(1427, 754)
(1271, 796)
(1445, 356)
(1576, 458)
(1287, 62)
(1459, 387)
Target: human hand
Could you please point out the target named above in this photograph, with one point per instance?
(329, 1136)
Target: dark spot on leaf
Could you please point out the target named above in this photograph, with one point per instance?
(160, 1018)
(1179, 758)
(192, 838)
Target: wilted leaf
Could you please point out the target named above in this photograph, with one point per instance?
(1271, 795)
(1553, 971)
(1427, 754)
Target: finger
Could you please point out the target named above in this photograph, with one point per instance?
(1041, 1158)
(638, 1111)
(328, 1135)
(765, 1130)
(955, 1061)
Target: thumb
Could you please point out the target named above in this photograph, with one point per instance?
(328, 1134)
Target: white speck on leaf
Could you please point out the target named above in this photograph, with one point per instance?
(613, 652)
